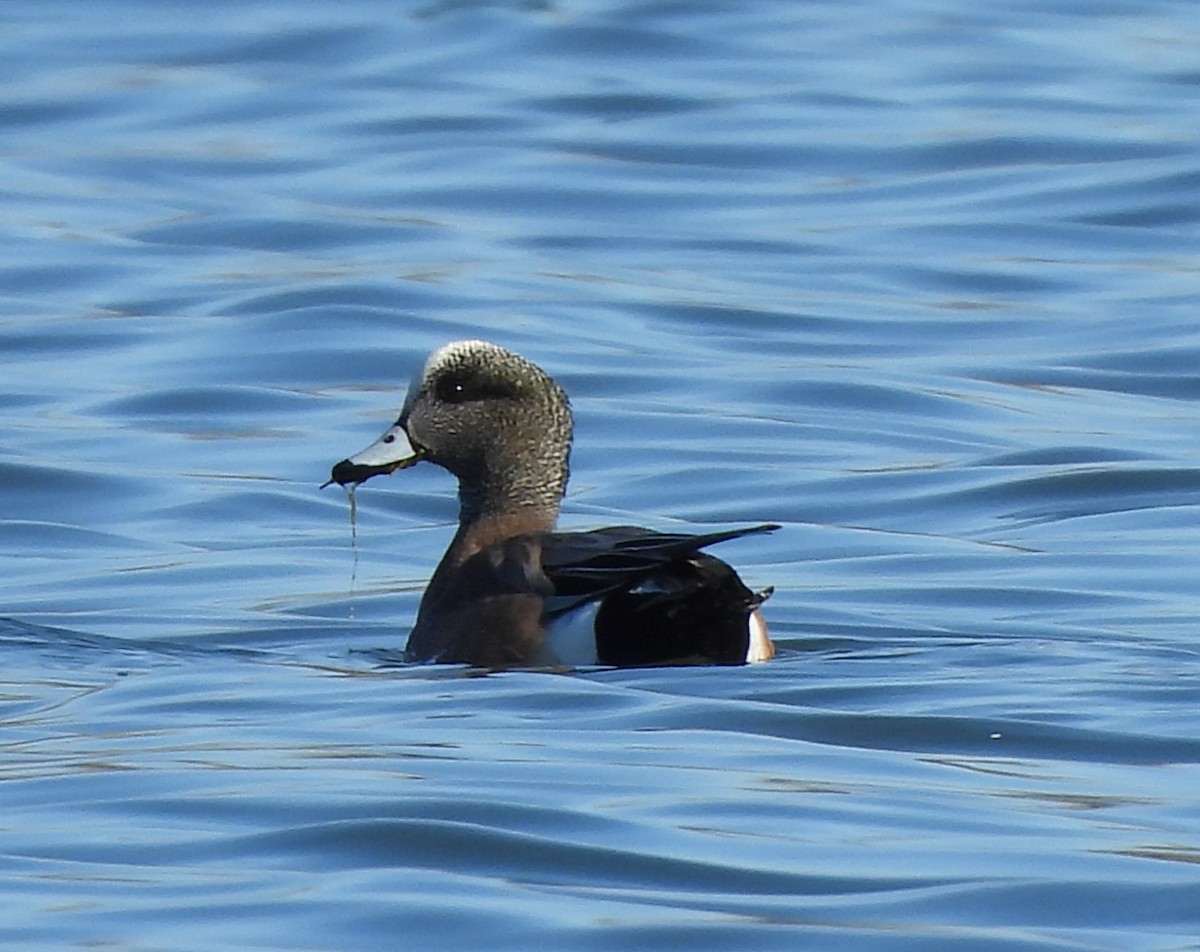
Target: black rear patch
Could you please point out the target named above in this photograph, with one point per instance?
(694, 609)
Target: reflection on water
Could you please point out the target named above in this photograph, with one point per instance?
(914, 281)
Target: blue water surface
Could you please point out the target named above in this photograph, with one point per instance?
(915, 278)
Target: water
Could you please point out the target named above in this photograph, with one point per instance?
(916, 279)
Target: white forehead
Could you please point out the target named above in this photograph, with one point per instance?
(456, 350)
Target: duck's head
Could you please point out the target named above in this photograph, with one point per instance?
(496, 421)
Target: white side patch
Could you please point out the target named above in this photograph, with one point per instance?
(453, 351)
(571, 638)
(760, 648)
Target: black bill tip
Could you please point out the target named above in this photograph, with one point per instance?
(346, 472)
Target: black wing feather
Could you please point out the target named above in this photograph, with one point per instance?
(584, 566)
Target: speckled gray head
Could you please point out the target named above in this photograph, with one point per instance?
(492, 418)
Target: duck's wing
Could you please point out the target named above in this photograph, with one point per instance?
(631, 596)
(585, 566)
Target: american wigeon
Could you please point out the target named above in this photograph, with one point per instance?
(512, 591)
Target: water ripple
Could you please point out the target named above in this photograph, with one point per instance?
(913, 280)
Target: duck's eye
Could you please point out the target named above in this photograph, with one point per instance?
(464, 388)
(453, 391)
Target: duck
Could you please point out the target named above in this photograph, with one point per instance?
(511, 589)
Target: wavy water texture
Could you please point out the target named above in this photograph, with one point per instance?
(915, 279)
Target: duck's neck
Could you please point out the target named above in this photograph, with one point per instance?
(479, 503)
(490, 514)
(525, 490)
(479, 533)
